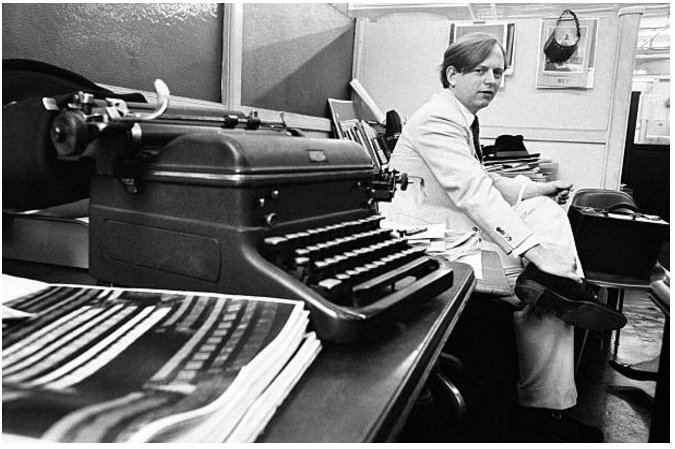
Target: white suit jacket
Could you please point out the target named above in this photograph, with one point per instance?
(448, 183)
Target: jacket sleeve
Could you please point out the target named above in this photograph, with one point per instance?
(444, 146)
(509, 187)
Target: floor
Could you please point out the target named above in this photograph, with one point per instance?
(621, 407)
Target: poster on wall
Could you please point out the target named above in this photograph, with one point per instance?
(504, 32)
(576, 72)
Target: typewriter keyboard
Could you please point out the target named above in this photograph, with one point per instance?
(352, 263)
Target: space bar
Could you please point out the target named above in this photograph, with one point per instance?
(364, 288)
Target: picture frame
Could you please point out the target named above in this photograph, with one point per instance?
(578, 72)
(505, 32)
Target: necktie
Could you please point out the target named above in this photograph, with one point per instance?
(475, 130)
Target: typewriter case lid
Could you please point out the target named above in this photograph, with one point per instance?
(250, 158)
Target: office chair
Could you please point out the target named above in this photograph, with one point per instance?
(615, 285)
(439, 414)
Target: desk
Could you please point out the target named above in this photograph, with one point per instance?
(348, 394)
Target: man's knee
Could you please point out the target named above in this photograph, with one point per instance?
(540, 202)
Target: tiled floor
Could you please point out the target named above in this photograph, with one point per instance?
(621, 407)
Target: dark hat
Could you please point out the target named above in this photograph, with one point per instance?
(506, 143)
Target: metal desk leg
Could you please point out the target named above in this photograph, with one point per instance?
(621, 293)
(659, 430)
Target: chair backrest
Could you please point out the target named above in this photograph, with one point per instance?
(601, 198)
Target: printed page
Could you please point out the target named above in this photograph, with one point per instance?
(99, 364)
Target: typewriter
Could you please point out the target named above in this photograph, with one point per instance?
(226, 202)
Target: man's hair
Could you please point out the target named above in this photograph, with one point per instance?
(467, 52)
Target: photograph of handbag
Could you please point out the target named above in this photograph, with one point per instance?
(617, 240)
(561, 44)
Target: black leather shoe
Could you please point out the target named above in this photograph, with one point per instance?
(647, 370)
(555, 426)
(566, 299)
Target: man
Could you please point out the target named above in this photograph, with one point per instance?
(518, 218)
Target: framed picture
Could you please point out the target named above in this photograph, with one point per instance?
(579, 70)
(503, 31)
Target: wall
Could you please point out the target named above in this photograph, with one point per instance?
(656, 67)
(296, 56)
(122, 44)
(653, 121)
(573, 127)
(569, 126)
(399, 56)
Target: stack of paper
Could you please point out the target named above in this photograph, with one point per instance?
(512, 167)
(436, 239)
(94, 364)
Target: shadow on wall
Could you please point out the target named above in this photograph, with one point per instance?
(305, 85)
(296, 56)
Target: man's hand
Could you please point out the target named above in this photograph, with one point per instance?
(553, 260)
(559, 191)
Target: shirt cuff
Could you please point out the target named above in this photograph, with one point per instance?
(526, 244)
(521, 192)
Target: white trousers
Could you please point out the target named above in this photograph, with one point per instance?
(545, 343)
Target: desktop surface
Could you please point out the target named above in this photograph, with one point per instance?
(350, 393)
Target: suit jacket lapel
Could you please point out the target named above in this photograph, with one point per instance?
(457, 112)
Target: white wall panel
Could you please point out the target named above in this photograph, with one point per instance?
(397, 62)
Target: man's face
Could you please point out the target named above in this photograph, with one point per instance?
(476, 88)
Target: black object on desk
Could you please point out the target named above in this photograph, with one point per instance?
(253, 214)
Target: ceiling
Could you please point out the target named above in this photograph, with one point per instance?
(502, 11)
(653, 40)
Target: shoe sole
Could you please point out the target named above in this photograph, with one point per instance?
(578, 313)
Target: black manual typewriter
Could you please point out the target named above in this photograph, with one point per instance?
(229, 203)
